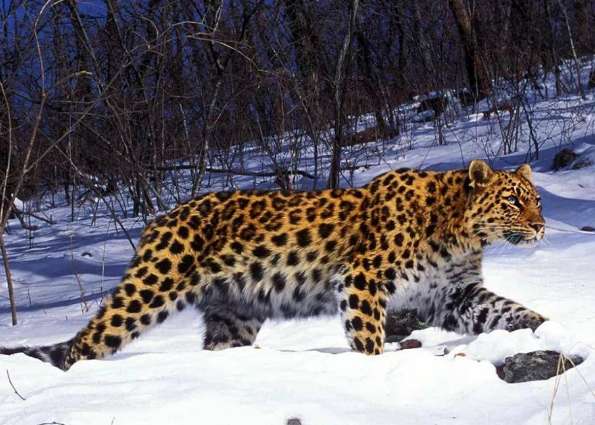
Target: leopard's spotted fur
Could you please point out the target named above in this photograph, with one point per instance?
(408, 239)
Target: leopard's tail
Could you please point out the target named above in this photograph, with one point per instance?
(54, 354)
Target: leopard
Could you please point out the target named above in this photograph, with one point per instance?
(407, 240)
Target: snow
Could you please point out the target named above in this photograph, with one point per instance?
(497, 345)
(304, 369)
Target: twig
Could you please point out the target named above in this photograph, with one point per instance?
(574, 365)
(239, 172)
(84, 306)
(12, 385)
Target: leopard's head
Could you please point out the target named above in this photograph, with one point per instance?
(503, 205)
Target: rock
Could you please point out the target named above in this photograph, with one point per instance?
(500, 372)
(294, 421)
(399, 325)
(441, 350)
(592, 80)
(581, 163)
(588, 229)
(408, 344)
(563, 159)
(535, 366)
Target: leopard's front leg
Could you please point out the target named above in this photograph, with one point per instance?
(473, 309)
(363, 303)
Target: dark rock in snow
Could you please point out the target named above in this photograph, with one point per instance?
(408, 344)
(563, 159)
(588, 229)
(399, 325)
(581, 163)
(294, 421)
(535, 366)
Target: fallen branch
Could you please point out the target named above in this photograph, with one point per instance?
(12, 385)
(25, 226)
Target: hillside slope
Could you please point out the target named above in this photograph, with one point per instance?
(304, 369)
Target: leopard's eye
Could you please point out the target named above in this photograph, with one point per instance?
(513, 200)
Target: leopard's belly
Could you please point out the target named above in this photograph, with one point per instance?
(280, 292)
(439, 281)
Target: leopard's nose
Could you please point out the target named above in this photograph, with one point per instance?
(538, 227)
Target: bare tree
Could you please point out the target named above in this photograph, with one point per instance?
(339, 96)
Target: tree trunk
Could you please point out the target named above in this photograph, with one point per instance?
(339, 98)
(577, 65)
(584, 31)
(13, 306)
(423, 46)
(553, 59)
(372, 83)
(478, 80)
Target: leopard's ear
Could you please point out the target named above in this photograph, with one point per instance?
(480, 173)
(524, 171)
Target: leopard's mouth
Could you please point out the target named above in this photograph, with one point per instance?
(516, 238)
(513, 237)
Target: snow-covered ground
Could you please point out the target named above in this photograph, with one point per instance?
(303, 369)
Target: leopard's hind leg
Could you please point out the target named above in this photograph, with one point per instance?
(164, 277)
(143, 299)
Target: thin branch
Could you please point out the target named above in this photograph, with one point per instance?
(13, 387)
